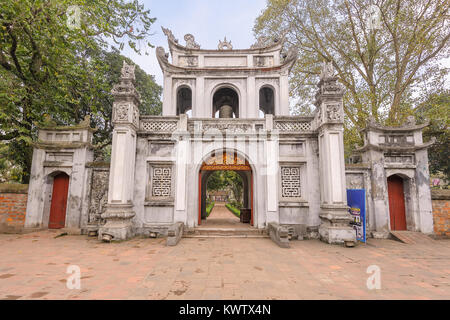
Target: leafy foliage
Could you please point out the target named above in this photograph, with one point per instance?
(49, 68)
(233, 209)
(220, 180)
(209, 208)
(383, 69)
(436, 108)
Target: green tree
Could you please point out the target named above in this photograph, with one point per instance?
(436, 109)
(220, 180)
(51, 64)
(381, 66)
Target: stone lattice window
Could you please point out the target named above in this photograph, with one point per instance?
(161, 182)
(290, 182)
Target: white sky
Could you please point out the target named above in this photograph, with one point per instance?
(208, 20)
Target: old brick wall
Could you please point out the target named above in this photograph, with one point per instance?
(13, 207)
(441, 212)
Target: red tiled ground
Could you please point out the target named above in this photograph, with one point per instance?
(33, 266)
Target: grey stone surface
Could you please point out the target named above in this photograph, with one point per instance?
(175, 234)
(279, 234)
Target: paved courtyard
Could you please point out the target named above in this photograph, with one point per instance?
(33, 266)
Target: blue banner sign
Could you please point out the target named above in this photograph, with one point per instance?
(356, 200)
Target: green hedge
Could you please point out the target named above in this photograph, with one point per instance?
(209, 208)
(234, 210)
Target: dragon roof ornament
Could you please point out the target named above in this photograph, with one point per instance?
(169, 34)
(190, 42)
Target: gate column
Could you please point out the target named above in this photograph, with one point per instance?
(119, 212)
(329, 120)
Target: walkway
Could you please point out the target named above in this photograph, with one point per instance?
(34, 266)
(222, 218)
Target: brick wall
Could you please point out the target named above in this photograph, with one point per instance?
(441, 212)
(13, 206)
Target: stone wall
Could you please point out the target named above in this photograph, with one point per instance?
(13, 206)
(441, 212)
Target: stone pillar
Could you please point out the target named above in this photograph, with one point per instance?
(119, 212)
(272, 167)
(284, 108)
(334, 213)
(181, 170)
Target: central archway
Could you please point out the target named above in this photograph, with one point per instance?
(225, 161)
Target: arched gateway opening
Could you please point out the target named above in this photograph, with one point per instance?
(226, 161)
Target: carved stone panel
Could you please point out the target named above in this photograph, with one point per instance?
(99, 195)
(354, 180)
(263, 61)
(290, 182)
(121, 112)
(188, 61)
(293, 126)
(158, 126)
(161, 181)
(399, 158)
(334, 112)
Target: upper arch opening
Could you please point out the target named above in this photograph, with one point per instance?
(226, 103)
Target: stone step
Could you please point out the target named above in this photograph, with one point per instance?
(187, 236)
(411, 237)
(225, 232)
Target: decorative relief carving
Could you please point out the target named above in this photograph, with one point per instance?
(136, 117)
(399, 158)
(225, 45)
(319, 114)
(355, 181)
(222, 127)
(263, 61)
(190, 42)
(159, 126)
(291, 126)
(334, 112)
(290, 182)
(161, 182)
(189, 61)
(332, 87)
(99, 195)
(121, 112)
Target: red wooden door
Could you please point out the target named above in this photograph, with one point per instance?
(59, 202)
(396, 203)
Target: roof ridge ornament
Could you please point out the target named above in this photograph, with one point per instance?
(327, 71)
(261, 42)
(190, 42)
(225, 45)
(127, 71)
(169, 34)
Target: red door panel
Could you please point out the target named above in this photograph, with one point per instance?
(396, 203)
(59, 202)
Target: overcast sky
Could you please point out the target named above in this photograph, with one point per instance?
(208, 20)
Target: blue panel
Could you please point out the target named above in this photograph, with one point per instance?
(356, 199)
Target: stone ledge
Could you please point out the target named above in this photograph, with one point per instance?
(13, 188)
(440, 194)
